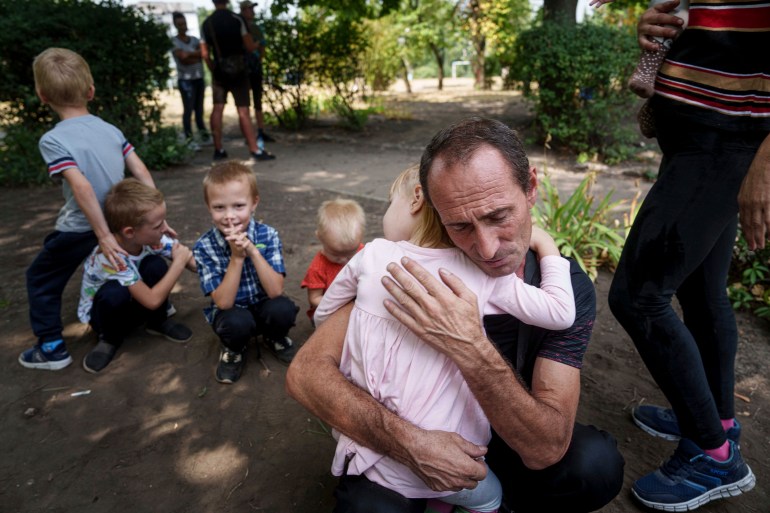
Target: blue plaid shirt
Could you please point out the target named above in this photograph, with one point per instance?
(212, 255)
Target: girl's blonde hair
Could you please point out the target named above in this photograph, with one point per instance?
(429, 232)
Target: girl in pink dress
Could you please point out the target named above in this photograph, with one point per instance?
(409, 377)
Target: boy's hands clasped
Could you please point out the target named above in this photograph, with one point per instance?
(239, 242)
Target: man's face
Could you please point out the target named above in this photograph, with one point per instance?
(247, 12)
(485, 212)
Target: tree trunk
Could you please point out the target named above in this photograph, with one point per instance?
(406, 75)
(560, 10)
(479, 41)
(439, 55)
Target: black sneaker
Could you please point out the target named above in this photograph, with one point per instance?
(283, 349)
(230, 366)
(220, 154)
(262, 156)
(173, 331)
(99, 357)
(36, 358)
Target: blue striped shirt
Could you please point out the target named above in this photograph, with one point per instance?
(212, 255)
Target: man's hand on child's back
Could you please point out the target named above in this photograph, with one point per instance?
(112, 251)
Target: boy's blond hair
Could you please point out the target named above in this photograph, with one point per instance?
(127, 202)
(429, 232)
(226, 172)
(341, 220)
(62, 77)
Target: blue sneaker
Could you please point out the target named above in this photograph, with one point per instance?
(661, 422)
(36, 358)
(690, 479)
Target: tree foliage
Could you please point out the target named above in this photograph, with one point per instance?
(318, 46)
(491, 26)
(576, 77)
(126, 51)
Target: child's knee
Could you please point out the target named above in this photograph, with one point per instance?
(280, 311)
(234, 323)
(152, 269)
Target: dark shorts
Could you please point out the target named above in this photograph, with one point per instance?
(239, 88)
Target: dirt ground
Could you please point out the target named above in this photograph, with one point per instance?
(156, 432)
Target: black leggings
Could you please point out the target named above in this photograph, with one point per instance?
(681, 243)
(589, 476)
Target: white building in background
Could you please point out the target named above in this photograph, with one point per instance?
(162, 12)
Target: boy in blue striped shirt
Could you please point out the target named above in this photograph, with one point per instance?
(240, 265)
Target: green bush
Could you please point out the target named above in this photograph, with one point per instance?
(315, 48)
(749, 279)
(126, 50)
(163, 148)
(576, 76)
(20, 160)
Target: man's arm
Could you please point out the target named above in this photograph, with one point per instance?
(444, 461)
(536, 424)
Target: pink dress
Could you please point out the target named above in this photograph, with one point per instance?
(409, 377)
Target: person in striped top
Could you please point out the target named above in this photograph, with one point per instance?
(711, 110)
(87, 156)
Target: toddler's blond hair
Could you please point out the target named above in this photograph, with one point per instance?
(341, 220)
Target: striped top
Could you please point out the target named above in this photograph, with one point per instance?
(90, 146)
(719, 67)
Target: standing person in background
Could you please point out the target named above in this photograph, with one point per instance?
(254, 62)
(225, 40)
(189, 71)
(711, 111)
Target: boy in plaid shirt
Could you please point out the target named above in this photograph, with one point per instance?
(240, 264)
